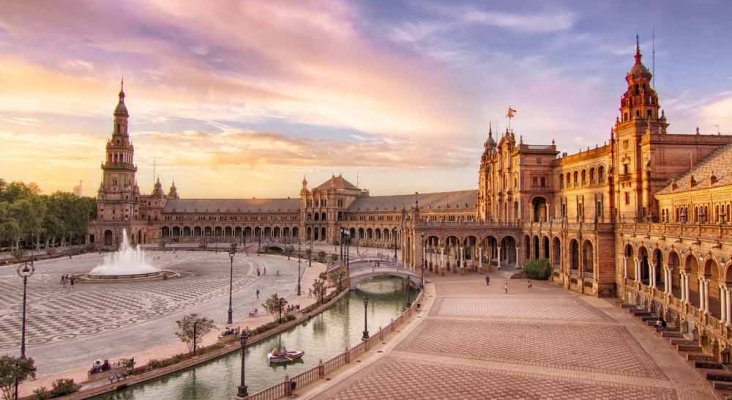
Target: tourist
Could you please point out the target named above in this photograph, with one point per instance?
(264, 271)
(71, 281)
(505, 287)
(257, 294)
(487, 280)
(106, 366)
(259, 272)
(660, 324)
(529, 283)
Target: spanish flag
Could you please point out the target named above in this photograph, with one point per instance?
(511, 112)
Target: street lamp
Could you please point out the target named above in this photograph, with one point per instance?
(25, 272)
(310, 257)
(242, 388)
(395, 245)
(298, 269)
(365, 320)
(423, 261)
(406, 288)
(231, 279)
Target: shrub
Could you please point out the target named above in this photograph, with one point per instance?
(538, 269)
(62, 387)
(41, 393)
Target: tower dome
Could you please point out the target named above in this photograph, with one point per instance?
(121, 109)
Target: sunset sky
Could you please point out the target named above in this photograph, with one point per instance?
(243, 98)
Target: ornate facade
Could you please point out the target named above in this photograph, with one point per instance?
(644, 216)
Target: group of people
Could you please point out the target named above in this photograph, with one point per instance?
(230, 331)
(292, 307)
(660, 324)
(263, 271)
(505, 284)
(68, 279)
(100, 366)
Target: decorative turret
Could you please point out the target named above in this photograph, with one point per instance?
(490, 144)
(640, 101)
(158, 189)
(173, 192)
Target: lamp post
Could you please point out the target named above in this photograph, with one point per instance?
(25, 272)
(242, 388)
(423, 261)
(299, 275)
(365, 320)
(310, 257)
(231, 279)
(395, 246)
(406, 289)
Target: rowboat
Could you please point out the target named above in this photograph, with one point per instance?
(282, 357)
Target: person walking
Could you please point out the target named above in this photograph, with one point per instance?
(257, 294)
(71, 281)
(487, 280)
(529, 283)
(505, 287)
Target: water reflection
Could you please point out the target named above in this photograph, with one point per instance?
(323, 337)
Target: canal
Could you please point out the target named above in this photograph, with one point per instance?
(322, 337)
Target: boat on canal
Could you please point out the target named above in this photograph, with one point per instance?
(282, 357)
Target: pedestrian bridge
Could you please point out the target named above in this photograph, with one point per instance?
(367, 267)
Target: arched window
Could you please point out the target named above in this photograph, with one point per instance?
(601, 174)
(584, 177)
(592, 176)
(576, 175)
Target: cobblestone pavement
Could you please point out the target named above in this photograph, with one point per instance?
(478, 342)
(66, 327)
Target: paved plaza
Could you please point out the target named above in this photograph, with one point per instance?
(69, 328)
(477, 342)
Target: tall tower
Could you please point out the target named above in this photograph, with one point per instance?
(118, 196)
(484, 178)
(639, 116)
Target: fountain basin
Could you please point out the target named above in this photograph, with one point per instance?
(150, 276)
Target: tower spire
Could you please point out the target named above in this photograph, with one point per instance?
(637, 50)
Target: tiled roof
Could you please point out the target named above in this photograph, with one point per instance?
(231, 205)
(717, 164)
(464, 199)
(337, 182)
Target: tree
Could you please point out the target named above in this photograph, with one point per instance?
(275, 305)
(319, 289)
(191, 330)
(12, 369)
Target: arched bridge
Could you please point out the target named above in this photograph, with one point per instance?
(367, 267)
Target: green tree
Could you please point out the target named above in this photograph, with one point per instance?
(275, 305)
(12, 369)
(191, 330)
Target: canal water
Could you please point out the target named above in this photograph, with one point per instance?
(322, 337)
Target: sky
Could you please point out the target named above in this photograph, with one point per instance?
(240, 99)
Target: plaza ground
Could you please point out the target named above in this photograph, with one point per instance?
(70, 328)
(477, 342)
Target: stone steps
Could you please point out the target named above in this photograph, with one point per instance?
(718, 375)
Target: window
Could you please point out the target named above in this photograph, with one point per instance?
(627, 198)
(561, 181)
(601, 175)
(534, 181)
(626, 169)
(543, 181)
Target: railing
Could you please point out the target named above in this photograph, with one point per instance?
(323, 369)
(469, 224)
(691, 231)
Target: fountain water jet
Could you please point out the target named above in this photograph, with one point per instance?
(128, 260)
(125, 265)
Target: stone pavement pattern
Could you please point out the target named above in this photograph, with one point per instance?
(541, 343)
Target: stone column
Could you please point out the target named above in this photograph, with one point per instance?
(625, 267)
(706, 295)
(499, 257)
(637, 270)
(667, 286)
(480, 258)
(722, 304)
(727, 308)
(653, 277)
(517, 256)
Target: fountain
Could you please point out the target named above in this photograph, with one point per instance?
(126, 264)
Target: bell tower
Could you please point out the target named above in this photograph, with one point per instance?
(639, 116)
(119, 194)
